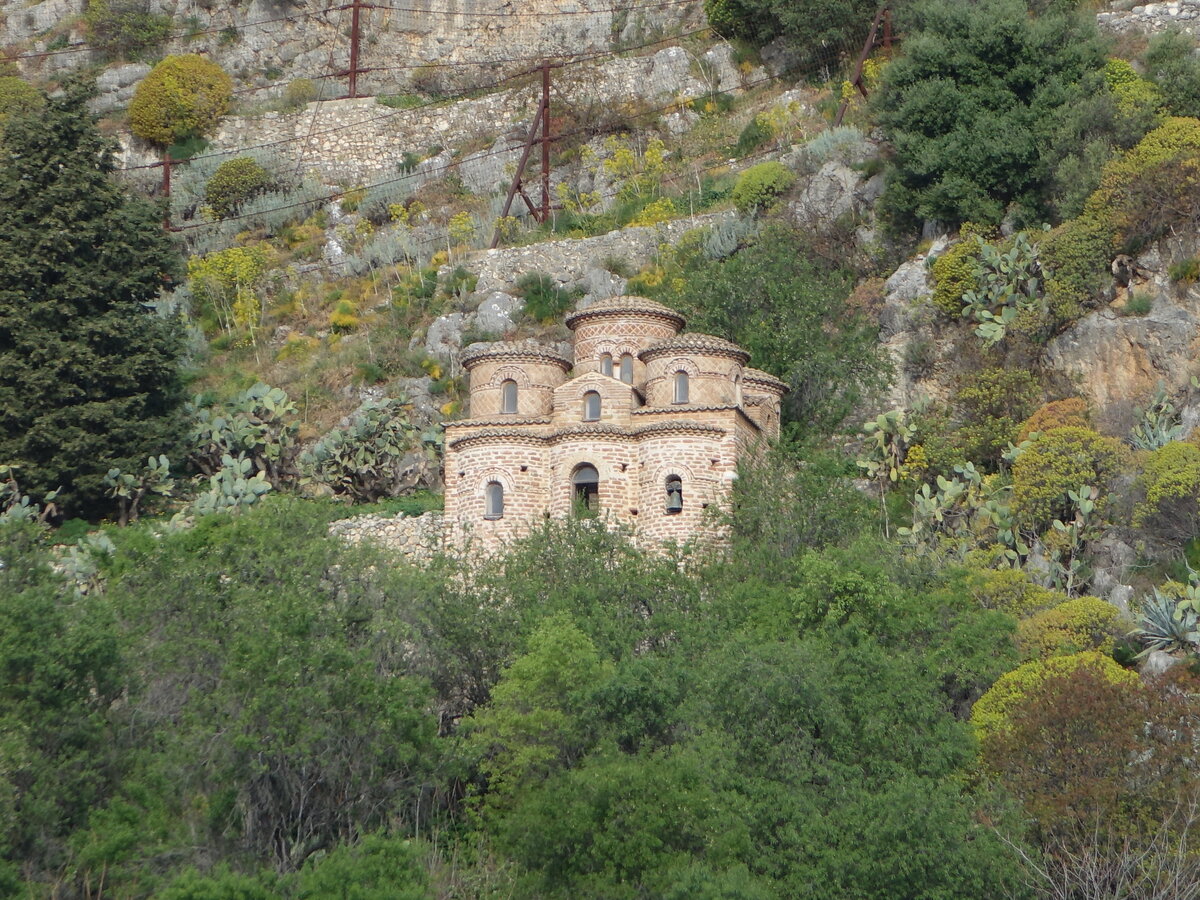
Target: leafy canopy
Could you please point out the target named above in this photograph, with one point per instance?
(803, 24)
(785, 305)
(182, 97)
(970, 106)
(88, 375)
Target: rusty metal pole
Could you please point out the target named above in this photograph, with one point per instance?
(354, 9)
(515, 187)
(862, 61)
(546, 141)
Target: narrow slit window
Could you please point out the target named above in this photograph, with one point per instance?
(508, 397)
(681, 387)
(493, 496)
(606, 366)
(674, 494)
(586, 489)
(627, 369)
(591, 407)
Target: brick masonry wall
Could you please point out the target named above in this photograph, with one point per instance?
(634, 448)
(617, 335)
(536, 382)
(713, 380)
(521, 468)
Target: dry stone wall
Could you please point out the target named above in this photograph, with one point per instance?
(266, 41)
(417, 538)
(362, 141)
(1128, 16)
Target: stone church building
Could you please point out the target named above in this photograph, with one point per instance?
(644, 427)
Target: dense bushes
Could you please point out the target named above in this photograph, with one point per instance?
(804, 24)
(235, 182)
(1142, 193)
(759, 187)
(182, 97)
(993, 714)
(1074, 626)
(1059, 461)
(954, 270)
(784, 304)
(17, 96)
(1171, 481)
(128, 28)
(970, 105)
(992, 403)
(1170, 60)
(1069, 413)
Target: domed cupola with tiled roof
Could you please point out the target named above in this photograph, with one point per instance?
(693, 370)
(513, 378)
(611, 333)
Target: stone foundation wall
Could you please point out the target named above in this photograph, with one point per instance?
(460, 42)
(416, 537)
(1129, 16)
(362, 141)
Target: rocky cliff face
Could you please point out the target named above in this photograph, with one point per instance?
(1113, 357)
(461, 43)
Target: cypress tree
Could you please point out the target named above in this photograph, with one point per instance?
(89, 375)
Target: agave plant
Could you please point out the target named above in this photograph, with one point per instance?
(1167, 625)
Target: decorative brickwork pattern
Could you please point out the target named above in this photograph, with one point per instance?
(664, 467)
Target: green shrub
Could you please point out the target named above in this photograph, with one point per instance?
(1010, 591)
(1170, 61)
(545, 300)
(299, 92)
(235, 182)
(183, 96)
(1171, 482)
(1186, 271)
(17, 96)
(971, 106)
(753, 136)
(1083, 623)
(1116, 108)
(1142, 194)
(954, 270)
(802, 24)
(993, 403)
(126, 27)
(759, 187)
(1070, 413)
(786, 305)
(992, 714)
(1061, 460)
(1139, 304)
(1074, 258)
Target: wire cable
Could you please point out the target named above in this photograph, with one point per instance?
(335, 195)
(413, 109)
(189, 34)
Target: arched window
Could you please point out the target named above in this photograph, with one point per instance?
(627, 368)
(493, 498)
(681, 387)
(674, 494)
(606, 367)
(591, 407)
(586, 484)
(508, 396)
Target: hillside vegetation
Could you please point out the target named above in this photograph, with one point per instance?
(952, 648)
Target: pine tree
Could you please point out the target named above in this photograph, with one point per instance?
(89, 374)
